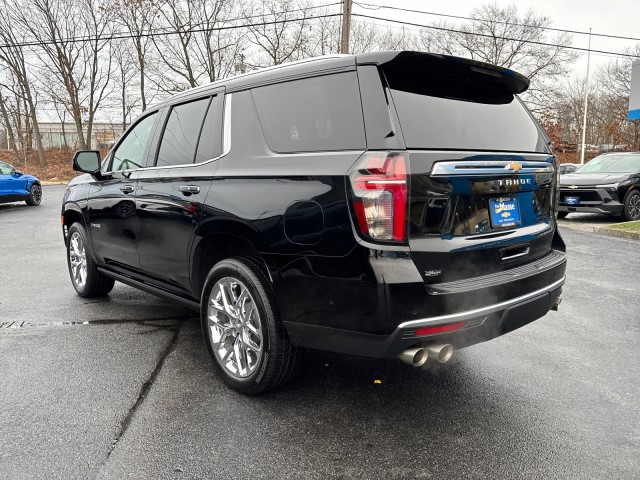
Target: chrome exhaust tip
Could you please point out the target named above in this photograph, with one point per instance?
(440, 351)
(415, 356)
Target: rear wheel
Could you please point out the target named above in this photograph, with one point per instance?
(631, 209)
(562, 214)
(85, 277)
(242, 328)
(35, 195)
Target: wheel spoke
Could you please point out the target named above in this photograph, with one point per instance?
(240, 357)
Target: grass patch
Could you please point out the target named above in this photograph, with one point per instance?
(627, 227)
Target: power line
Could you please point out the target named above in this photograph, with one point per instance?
(453, 30)
(156, 33)
(460, 17)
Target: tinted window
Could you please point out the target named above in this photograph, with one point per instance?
(130, 153)
(5, 169)
(210, 144)
(313, 114)
(180, 137)
(446, 123)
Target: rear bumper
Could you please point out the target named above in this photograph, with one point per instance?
(480, 324)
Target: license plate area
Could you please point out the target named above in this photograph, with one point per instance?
(572, 200)
(504, 212)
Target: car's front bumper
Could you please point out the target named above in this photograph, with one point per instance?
(591, 200)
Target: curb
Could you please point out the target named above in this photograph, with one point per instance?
(617, 233)
(46, 183)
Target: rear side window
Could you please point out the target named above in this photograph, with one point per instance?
(210, 144)
(439, 112)
(312, 114)
(182, 132)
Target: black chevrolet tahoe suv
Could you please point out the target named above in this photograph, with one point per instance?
(390, 204)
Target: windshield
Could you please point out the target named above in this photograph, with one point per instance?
(612, 164)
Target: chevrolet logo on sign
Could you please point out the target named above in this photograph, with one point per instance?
(515, 166)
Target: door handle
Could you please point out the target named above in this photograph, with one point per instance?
(189, 189)
(126, 188)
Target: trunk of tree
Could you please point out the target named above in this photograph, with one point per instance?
(7, 125)
(36, 127)
(143, 98)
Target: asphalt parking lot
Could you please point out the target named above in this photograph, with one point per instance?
(122, 387)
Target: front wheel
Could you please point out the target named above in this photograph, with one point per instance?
(631, 210)
(242, 328)
(85, 277)
(35, 195)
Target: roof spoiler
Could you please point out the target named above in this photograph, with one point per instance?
(472, 71)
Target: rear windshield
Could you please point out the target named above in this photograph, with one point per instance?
(454, 118)
(612, 164)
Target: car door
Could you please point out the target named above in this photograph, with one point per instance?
(10, 183)
(170, 194)
(111, 210)
(5, 179)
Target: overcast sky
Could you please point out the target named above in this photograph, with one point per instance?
(612, 17)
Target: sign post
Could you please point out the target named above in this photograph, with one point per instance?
(634, 96)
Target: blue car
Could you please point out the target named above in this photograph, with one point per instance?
(16, 186)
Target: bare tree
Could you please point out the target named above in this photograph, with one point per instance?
(123, 76)
(613, 81)
(8, 127)
(74, 37)
(136, 16)
(501, 36)
(279, 29)
(13, 56)
(195, 50)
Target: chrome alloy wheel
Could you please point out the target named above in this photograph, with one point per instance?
(634, 207)
(78, 260)
(234, 327)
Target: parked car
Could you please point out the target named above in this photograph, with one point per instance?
(568, 168)
(389, 204)
(609, 183)
(16, 186)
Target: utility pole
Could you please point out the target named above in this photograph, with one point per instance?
(346, 26)
(586, 102)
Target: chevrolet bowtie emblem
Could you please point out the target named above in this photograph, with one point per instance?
(515, 166)
(573, 187)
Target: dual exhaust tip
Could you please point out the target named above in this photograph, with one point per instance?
(418, 356)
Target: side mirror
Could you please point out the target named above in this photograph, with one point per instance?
(17, 173)
(87, 161)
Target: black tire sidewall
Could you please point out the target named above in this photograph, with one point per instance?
(31, 201)
(249, 276)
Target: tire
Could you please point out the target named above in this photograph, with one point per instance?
(562, 214)
(35, 195)
(242, 329)
(86, 279)
(631, 210)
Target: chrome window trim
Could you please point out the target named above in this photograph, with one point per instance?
(226, 144)
(469, 314)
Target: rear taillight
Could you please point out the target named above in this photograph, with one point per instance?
(380, 195)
